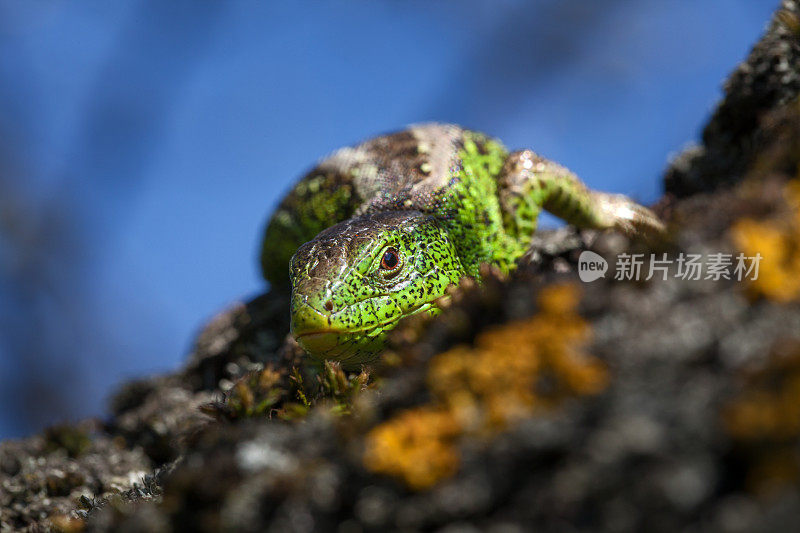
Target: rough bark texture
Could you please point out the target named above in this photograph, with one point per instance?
(767, 80)
(533, 403)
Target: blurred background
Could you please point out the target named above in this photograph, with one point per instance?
(144, 143)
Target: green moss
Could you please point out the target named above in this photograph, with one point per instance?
(290, 394)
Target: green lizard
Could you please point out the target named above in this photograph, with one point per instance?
(377, 232)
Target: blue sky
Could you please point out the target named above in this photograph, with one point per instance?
(145, 143)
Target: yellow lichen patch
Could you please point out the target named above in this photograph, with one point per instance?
(778, 243)
(765, 418)
(770, 405)
(512, 372)
(519, 367)
(417, 446)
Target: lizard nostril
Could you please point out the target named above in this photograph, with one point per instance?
(329, 306)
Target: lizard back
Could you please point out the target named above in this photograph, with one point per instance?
(439, 169)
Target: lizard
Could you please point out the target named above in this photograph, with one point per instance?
(378, 231)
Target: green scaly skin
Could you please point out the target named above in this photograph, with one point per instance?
(441, 199)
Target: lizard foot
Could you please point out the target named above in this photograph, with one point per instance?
(618, 212)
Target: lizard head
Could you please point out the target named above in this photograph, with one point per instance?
(357, 279)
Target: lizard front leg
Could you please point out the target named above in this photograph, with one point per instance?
(529, 183)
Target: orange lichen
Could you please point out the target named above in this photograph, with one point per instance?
(765, 418)
(418, 446)
(512, 371)
(519, 367)
(778, 243)
(770, 405)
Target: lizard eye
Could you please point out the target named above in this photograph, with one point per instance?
(390, 261)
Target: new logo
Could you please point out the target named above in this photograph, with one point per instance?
(591, 266)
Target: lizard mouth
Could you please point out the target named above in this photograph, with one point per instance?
(319, 341)
(322, 339)
(332, 330)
